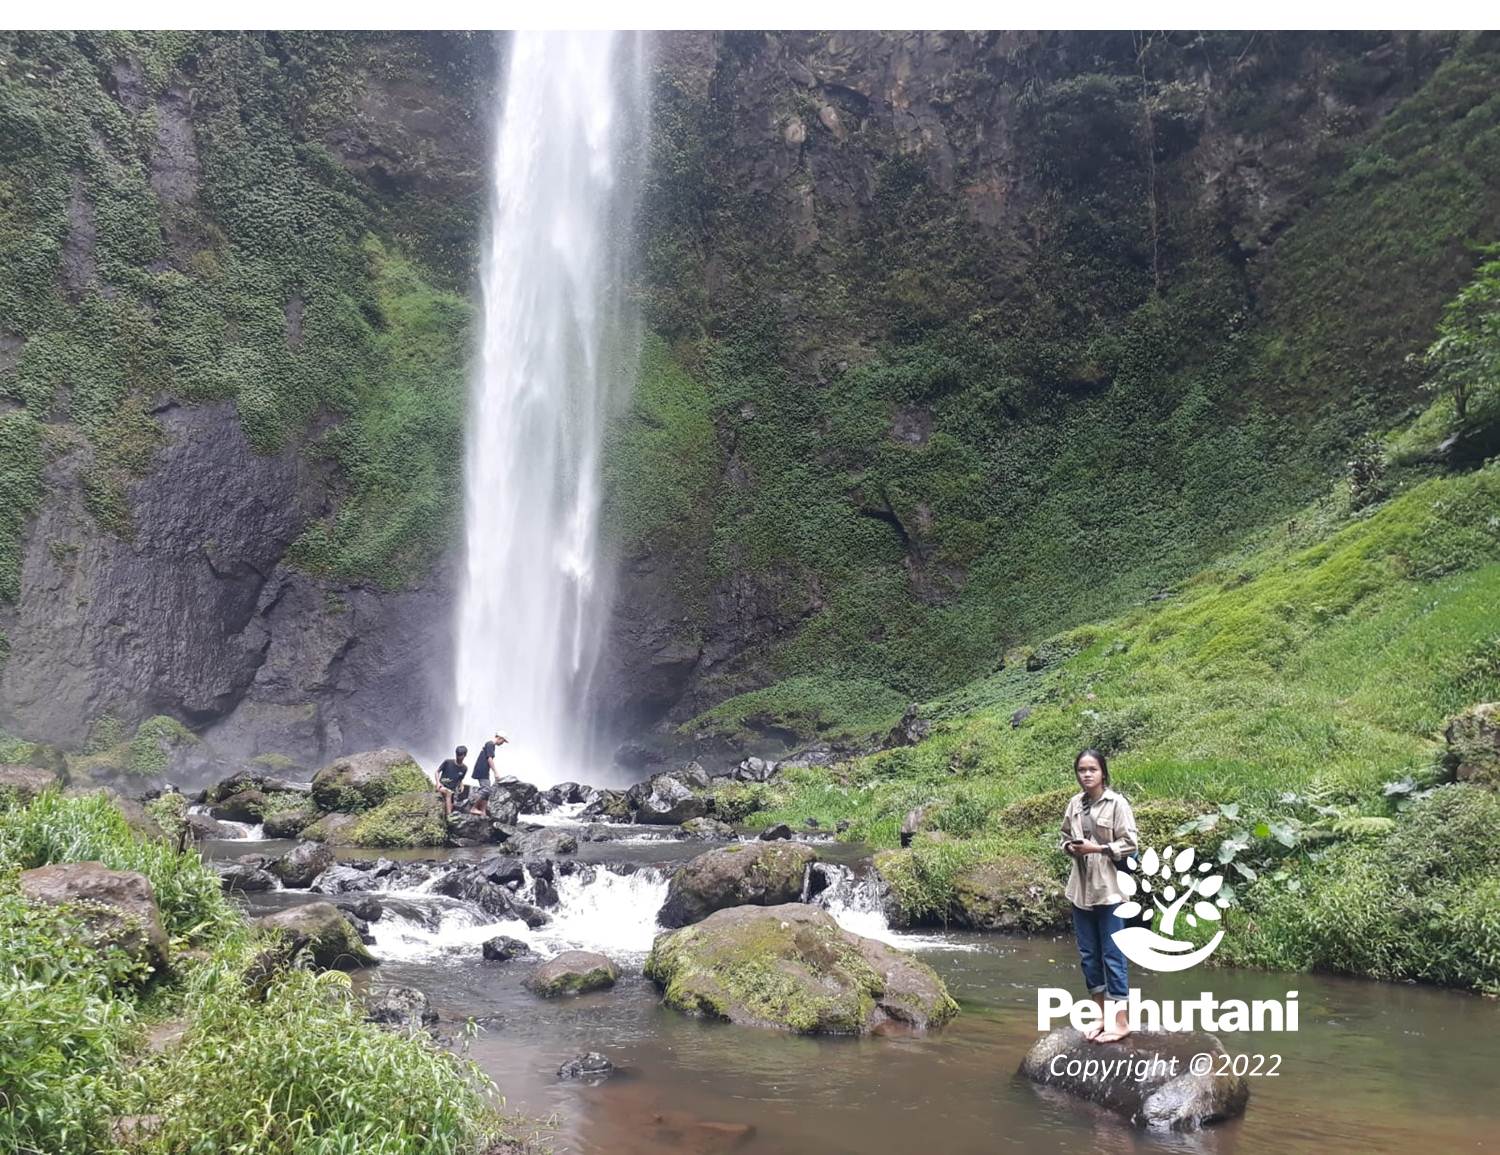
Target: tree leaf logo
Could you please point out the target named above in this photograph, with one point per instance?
(1163, 885)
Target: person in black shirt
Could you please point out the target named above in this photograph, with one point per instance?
(482, 768)
(450, 776)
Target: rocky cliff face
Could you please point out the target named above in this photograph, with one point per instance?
(247, 249)
(931, 313)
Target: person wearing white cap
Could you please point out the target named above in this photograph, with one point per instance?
(481, 772)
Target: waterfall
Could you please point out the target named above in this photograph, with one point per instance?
(558, 353)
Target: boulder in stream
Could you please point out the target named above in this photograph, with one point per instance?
(574, 972)
(708, 830)
(302, 864)
(403, 1008)
(540, 843)
(1146, 1077)
(778, 831)
(118, 907)
(590, 1066)
(471, 829)
(668, 802)
(793, 968)
(245, 877)
(757, 873)
(322, 929)
(503, 948)
(201, 827)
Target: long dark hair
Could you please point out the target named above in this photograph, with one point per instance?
(1090, 752)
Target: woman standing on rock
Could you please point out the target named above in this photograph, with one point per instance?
(1098, 830)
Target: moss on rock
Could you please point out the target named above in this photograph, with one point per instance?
(791, 967)
(411, 819)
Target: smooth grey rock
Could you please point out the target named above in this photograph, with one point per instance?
(590, 1066)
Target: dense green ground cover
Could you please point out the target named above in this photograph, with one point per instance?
(280, 1065)
(1292, 681)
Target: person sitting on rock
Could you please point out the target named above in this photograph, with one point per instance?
(450, 777)
(482, 768)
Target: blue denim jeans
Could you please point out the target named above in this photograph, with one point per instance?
(1104, 968)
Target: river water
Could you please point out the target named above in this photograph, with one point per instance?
(1375, 1067)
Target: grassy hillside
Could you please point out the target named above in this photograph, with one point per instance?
(1291, 683)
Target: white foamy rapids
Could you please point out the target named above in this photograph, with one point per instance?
(249, 831)
(611, 913)
(564, 815)
(856, 901)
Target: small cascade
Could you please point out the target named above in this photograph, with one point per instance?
(248, 831)
(598, 909)
(568, 814)
(859, 901)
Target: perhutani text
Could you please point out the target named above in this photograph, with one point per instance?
(1205, 1013)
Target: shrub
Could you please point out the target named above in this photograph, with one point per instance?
(305, 1074)
(91, 828)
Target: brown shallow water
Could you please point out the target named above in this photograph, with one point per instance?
(1376, 1067)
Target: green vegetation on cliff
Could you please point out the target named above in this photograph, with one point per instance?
(175, 225)
(270, 1060)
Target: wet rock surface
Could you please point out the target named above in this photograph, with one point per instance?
(590, 1066)
(791, 967)
(758, 873)
(574, 972)
(1127, 1077)
(323, 931)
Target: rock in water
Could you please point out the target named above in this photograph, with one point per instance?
(321, 928)
(1126, 1078)
(470, 829)
(302, 864)
(244, 877)
(503, 948)
(670, 803)
(405, 1008)
(758, 873)
(591, 1066)
(708, 830)
(574, 972)
(780, 831)
(793, 968)
(120, 908)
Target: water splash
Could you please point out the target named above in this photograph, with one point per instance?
(558, 351)
(598, 909)
(857, 900)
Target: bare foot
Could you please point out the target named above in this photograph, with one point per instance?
(1093, 1032)
(1110, 1036)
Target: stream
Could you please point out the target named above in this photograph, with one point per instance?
(1375, 1066)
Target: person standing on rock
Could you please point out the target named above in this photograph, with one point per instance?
(483, 766)
(450, 776)
(1098, 831)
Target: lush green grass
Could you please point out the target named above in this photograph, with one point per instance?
(280, 1066)
(1320, 662)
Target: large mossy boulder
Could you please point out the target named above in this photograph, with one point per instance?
(240, 781)
(793, 968)
(118, 906)
(334, 829)
(404, 821)
(320, 929)
(1474, 745)
(293, 816)
(753, 873)
(1011, 893)
(574, 972)
(1147, 1077)
(364, 781)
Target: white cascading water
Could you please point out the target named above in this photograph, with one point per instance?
(558, 352)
